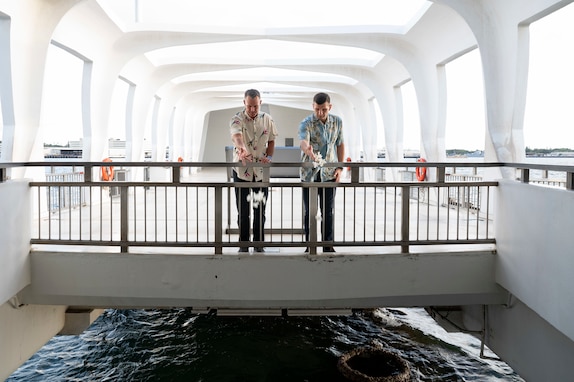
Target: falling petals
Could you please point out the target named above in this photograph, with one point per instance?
(319, 161)
(256, 198)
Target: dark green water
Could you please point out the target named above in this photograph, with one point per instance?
(177, 345)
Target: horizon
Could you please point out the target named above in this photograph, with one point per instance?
(527, 148)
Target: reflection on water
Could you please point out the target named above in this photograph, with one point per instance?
(178, 345)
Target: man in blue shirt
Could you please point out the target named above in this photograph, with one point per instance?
(321, 136)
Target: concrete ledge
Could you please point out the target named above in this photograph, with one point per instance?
(262, 282)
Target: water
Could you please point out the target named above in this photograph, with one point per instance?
(178, 345)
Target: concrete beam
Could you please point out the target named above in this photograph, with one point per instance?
(78, 320)
(262, 282)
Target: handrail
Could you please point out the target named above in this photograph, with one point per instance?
(191, 212)
(363, 198)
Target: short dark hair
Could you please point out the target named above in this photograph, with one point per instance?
(321, 98)
(252, 93)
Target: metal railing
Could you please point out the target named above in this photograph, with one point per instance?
(190, 212)
(64, 197)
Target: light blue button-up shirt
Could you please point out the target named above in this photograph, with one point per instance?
(324, 137)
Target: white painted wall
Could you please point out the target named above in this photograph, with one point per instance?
(534, 231)
(23, 328)
(286, 119)
(15, 238)
(528, 343)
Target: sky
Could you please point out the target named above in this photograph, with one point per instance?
(465, 120)
(548, 121)
(549, 117)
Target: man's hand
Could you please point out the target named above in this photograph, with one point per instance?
(307, 149)
(338, 174)
(244, 155)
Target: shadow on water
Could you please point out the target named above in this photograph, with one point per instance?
(178, 345)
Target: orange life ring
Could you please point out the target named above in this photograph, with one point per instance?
(421, 171)
(107, 171)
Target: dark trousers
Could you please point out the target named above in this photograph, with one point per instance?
(327, 207)
(244, 212)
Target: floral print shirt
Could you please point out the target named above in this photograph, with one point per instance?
(256, 133)
(324, 137)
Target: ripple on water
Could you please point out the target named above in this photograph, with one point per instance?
(178, 345)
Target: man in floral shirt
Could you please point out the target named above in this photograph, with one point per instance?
(253, 134)
(321, 136)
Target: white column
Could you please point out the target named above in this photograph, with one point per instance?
(156, 150)
(28, 23)
(504, 49)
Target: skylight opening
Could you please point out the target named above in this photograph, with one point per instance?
(265, 52)
(265, 14)
(265, 74)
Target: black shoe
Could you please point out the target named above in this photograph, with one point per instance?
(307, 250)
(260, 249)
(243, 249)
(328, 249)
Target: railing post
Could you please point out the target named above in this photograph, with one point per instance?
(525, 175)
(176, 171)
(355, 174)
(229, 172)
(405, 224)
(570, 180)
(313, 203)
(124, 222)
(218, 220)
(2, 174)
(440, 174)
(88, 174)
